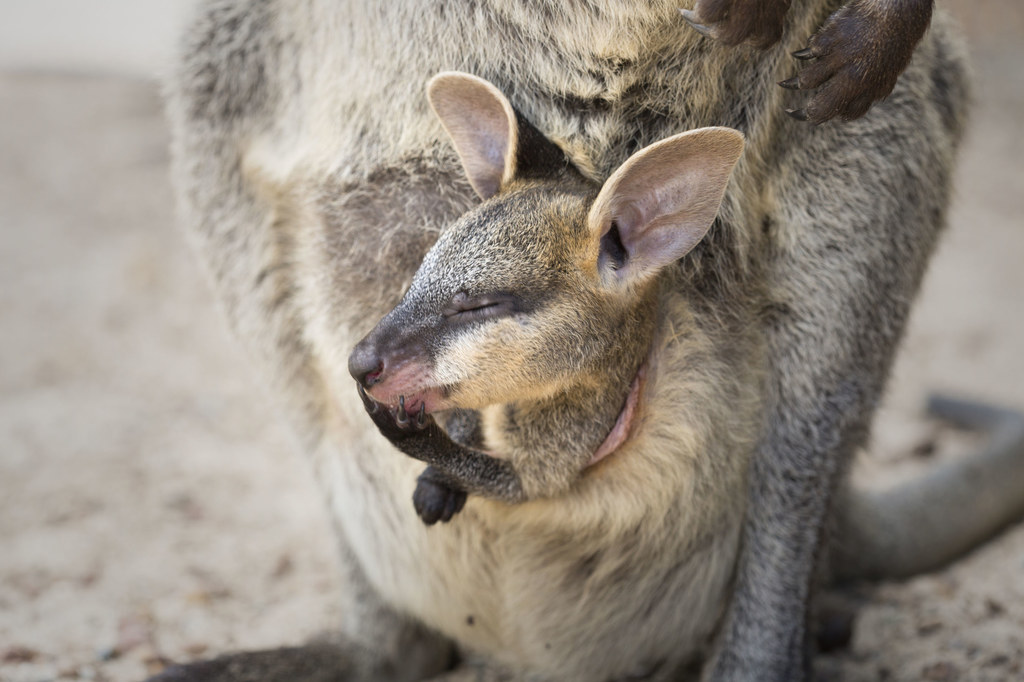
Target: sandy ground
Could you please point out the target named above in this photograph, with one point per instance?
(152, 507)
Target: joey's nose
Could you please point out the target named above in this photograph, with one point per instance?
(365, 365)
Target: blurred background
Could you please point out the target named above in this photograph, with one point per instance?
(122, 37)
(153, 509)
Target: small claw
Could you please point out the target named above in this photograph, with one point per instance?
(798, 114)
(791, 83)
(460, 502)
(449, 507)
(369, 403)
(806, 53)
(694, 21)
(401, 418)
(421, 417)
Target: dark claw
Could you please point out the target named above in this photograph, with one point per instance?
(694, 21)
(401, 418)
(369, 403)
(421, 418)
(791, 83)
(806, 53)
(453, 505)
(798, 114)
(449, 508)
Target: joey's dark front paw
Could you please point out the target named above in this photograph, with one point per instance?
(395, 423)
(856, 57)
(731, 22)
(435, 499)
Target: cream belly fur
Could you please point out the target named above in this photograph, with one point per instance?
(604, 582)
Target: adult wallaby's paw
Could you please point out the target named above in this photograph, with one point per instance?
(731, 22)
(435, 499)
(396, 424)
(856, 57)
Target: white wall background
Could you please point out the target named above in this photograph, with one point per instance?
(134, 37)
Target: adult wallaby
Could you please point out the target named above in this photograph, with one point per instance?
(314, 180)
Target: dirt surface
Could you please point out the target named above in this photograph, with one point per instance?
(153, 508)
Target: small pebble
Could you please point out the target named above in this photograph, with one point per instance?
(994, 607)
(940, 672)
(997, 661)
(19, 654)
(925, 449)
(107, 653)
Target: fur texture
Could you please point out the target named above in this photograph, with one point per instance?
(539, 306)
(313, 180)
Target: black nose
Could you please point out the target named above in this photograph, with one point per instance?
(365, 365)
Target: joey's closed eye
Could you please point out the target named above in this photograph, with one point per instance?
(465, 308)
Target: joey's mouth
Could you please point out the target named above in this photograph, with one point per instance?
(623, 424)
(411, 381)
(431, 398)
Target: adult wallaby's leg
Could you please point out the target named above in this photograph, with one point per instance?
(313, 663)
(843, 267)
(234, 84)
(320, 662)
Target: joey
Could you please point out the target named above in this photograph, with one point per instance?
(538, 305)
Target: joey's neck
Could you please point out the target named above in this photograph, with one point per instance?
(572, 423)
(577, 418)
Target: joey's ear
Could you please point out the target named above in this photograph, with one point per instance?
(660, 203)
(482, 125)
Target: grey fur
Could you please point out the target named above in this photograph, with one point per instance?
(313, 179)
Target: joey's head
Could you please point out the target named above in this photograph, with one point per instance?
(550, 283)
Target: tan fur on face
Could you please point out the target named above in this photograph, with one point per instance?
(506, 361)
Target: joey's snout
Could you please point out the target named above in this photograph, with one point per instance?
(365, 364)
(389, 368)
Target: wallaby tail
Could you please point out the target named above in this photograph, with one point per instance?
(931, 520)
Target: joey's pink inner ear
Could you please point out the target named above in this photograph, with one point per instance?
(482, 125)
(663, 199)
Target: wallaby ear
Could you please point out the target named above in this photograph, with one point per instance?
(482, 125)
(660, 203)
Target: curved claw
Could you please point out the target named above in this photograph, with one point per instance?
(453, 505)
(806, 53)
(690, 17)
(798, 114)
(401, 418)
(791, 83)
(421, 417)
(369, 403)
